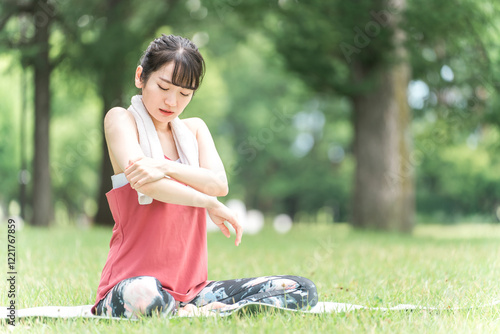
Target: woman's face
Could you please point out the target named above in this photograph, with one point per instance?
(163, 100)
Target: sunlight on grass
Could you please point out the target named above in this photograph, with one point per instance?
(462, 231)
(439, 266)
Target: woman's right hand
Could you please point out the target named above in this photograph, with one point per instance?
(219, 213)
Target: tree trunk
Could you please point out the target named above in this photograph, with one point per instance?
(42, 191)
(103, 215)
(112, 81)
(384, 189)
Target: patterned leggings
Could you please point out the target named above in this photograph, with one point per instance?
(144, 295)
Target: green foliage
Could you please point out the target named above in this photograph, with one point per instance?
(271, 67)
(265, 121)
(459, 178)
(75, 150)
(333, 45)
(455, 144)
(10, 129)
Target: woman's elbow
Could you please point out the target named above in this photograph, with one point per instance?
(224, 188)
(224, 191)
(147, 189)
(219, 189)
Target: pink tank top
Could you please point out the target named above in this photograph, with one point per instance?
(163, 240)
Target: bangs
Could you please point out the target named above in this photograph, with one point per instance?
(189, 66)
(187, 71)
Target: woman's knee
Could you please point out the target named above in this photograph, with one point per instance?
(144, 295)
(308, 290)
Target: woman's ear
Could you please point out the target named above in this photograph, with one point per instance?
(138, 80)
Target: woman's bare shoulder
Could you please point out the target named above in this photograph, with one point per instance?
(120, 120)
(117, 114)
(194, 124)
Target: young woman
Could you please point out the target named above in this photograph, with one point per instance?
(157, 261)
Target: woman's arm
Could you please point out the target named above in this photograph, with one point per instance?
(121, 137)
(209, 179)
(171, 191)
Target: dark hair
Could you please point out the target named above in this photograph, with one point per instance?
(189, 66)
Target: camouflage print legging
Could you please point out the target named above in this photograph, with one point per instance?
(144, 295)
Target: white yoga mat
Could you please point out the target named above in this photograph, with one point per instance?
(83, 311)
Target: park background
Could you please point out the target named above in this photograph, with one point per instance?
(348, 116)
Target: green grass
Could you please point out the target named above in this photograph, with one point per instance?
(440, 266)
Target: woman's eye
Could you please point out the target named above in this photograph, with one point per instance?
(185, 94)
(162, 88)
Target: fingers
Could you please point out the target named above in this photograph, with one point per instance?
(239, 235)
(130, 169)
(237, 228)
(138, 173)
(135, 178)
(137, 184)
(132, 161)
(131, 177)
(224, 229)
(225, 214)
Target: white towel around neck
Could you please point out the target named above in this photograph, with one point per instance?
(185, 140)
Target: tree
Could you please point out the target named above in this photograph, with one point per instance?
(40, 16)
(357, 50)
(367, 50)
(108, 45)
(384, 189)
(453, 55)
(102, 39)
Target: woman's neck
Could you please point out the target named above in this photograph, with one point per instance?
(161, 127)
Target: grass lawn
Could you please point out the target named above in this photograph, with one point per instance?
(440, 266)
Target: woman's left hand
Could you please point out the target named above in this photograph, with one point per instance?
(144, 170)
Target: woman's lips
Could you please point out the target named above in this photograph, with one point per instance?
(167, 112)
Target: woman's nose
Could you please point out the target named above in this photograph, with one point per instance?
(170, 99)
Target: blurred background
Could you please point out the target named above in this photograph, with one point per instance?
(383, 114)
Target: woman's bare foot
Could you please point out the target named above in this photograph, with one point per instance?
(191, 310)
